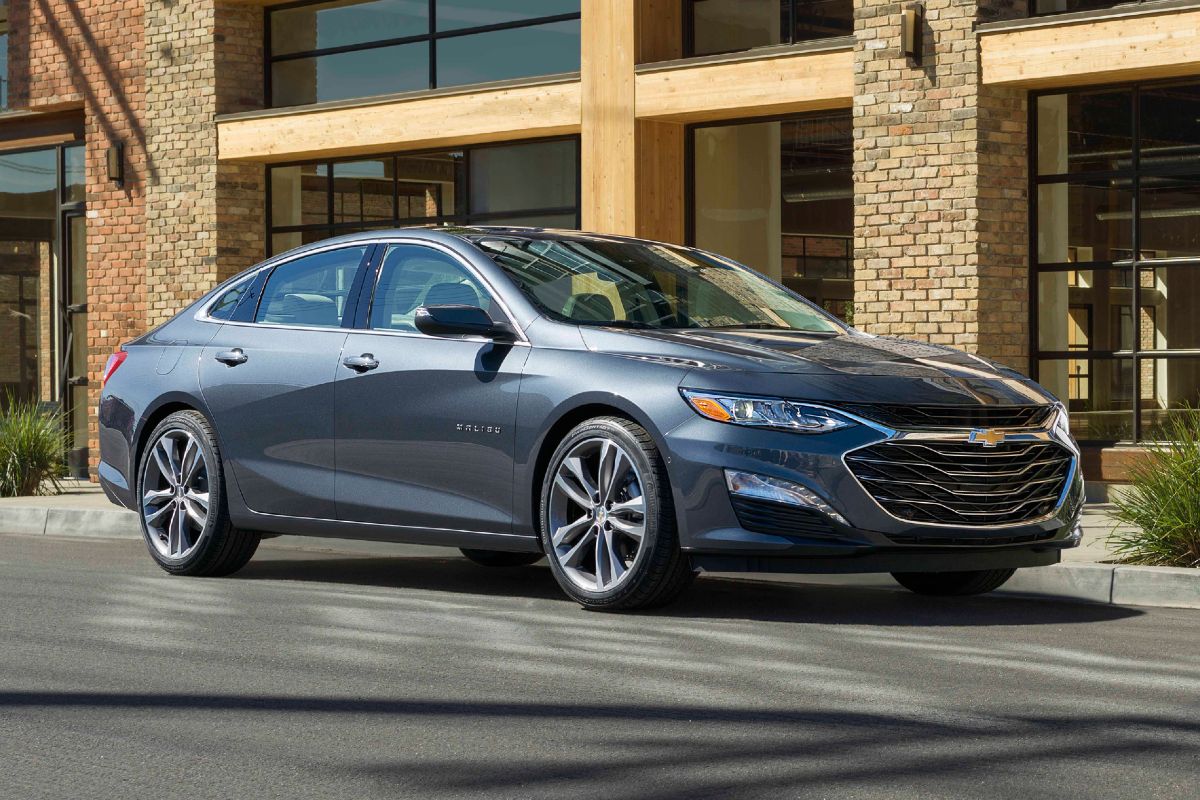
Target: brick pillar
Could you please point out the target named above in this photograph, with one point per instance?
(204, 218)
(940, 185)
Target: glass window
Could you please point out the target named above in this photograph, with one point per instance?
(358, 73)
(322, 51)
(321, 26)
(533, 184)
(3, 56)
(779, 197)
(311, 290)
(224, 307)
(1128, 308)
(456, 14)
(509, 53)
(525, 176)
(1062, 6)
(598, 282)
(413, 276)
(724, 26)
(74, 174)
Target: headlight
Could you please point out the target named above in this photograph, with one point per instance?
(1062, 420)
(765, 412)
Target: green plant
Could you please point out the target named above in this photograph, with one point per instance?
(32, 448)
(1163, 502)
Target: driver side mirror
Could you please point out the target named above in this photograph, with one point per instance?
(452, 320)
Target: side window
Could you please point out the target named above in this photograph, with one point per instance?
(413, 276)
(227, 302)
(311, 290)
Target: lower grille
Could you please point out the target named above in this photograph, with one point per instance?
(960, 541)
(763, 516)
(962, 483)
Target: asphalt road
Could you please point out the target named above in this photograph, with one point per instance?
(332, 675)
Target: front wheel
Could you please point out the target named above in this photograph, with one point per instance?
(183, 514)
(607, 519)
(953, 584)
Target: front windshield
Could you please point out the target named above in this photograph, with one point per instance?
(640, 285)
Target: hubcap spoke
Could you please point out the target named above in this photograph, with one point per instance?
(155, 497)
(163, 459)
(596, 550)
(175, 494)
(152, 519)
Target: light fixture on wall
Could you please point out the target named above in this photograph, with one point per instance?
(114, 158)
(912, 21)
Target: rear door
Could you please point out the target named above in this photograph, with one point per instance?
(268, 383)
(425, 437)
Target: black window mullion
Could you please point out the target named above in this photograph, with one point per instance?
(1136, 242)
(432, 44)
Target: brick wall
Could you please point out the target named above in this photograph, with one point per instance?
(205, 220)
(940, 185)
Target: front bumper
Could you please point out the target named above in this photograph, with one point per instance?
(859, 536)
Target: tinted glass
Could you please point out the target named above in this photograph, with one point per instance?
(1170, 126)
(1084, 131)
(530, 176)
(225, 305)
(1166, 386)
(413, 276)
(1061, 6)
(299, 195)
(454, 14)
(819, 19)
(363, 191)
(1098, 393)
(431, 185)
(1169, 215)
(1085, 222)
(1085, 310)
(74, 178)
(722, 26)
(359, 73)
(310, 291)
(597, 282)
(1168, 317)
(338, 24)
(29, 184)
(504, 54)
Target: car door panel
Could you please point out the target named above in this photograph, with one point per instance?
(426, 438)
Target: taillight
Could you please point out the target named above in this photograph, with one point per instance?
(114, 361)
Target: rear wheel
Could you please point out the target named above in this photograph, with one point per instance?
(500, 558)
(953, 584)
(184, 517)
(607, 520)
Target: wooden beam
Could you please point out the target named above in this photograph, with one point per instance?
(609, 141)
(1128, 47)
(449, 120)
(750, 87)
(660, 181)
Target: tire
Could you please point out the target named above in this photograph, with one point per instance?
(188, 546)
(621, 574)
(500, 558)
(953, 584)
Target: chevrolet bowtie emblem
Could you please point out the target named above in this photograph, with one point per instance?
(987, 437)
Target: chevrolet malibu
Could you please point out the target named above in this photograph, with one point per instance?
(634, 412)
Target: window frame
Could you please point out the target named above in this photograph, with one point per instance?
(1137, 353)
(687, 9)
(430, 37)
(246, 311)
(330, 228)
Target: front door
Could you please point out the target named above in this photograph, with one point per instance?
(425, 437)
(268, 384)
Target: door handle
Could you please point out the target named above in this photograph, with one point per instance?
(232, 357)
(364, 363)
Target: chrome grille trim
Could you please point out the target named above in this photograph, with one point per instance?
(940, 479)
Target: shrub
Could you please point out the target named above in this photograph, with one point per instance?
(32, 447)
(1163, 502)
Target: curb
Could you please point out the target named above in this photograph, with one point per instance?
(1114, 584)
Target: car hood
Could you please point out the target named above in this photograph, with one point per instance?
(851, 367)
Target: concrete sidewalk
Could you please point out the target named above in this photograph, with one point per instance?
(83, 511)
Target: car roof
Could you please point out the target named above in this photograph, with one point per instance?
(474, 233)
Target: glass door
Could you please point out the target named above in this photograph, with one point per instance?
(74, 353)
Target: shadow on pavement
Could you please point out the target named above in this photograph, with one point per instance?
(709, 598)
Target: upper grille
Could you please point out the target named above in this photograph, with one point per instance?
(961, 483)
(906, 417)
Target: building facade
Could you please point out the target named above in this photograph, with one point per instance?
(1017, 179)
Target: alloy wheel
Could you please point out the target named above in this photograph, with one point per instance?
(597, 514)
(175, 494)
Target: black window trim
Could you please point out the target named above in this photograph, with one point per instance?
(1134, 173)
(431, 36)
